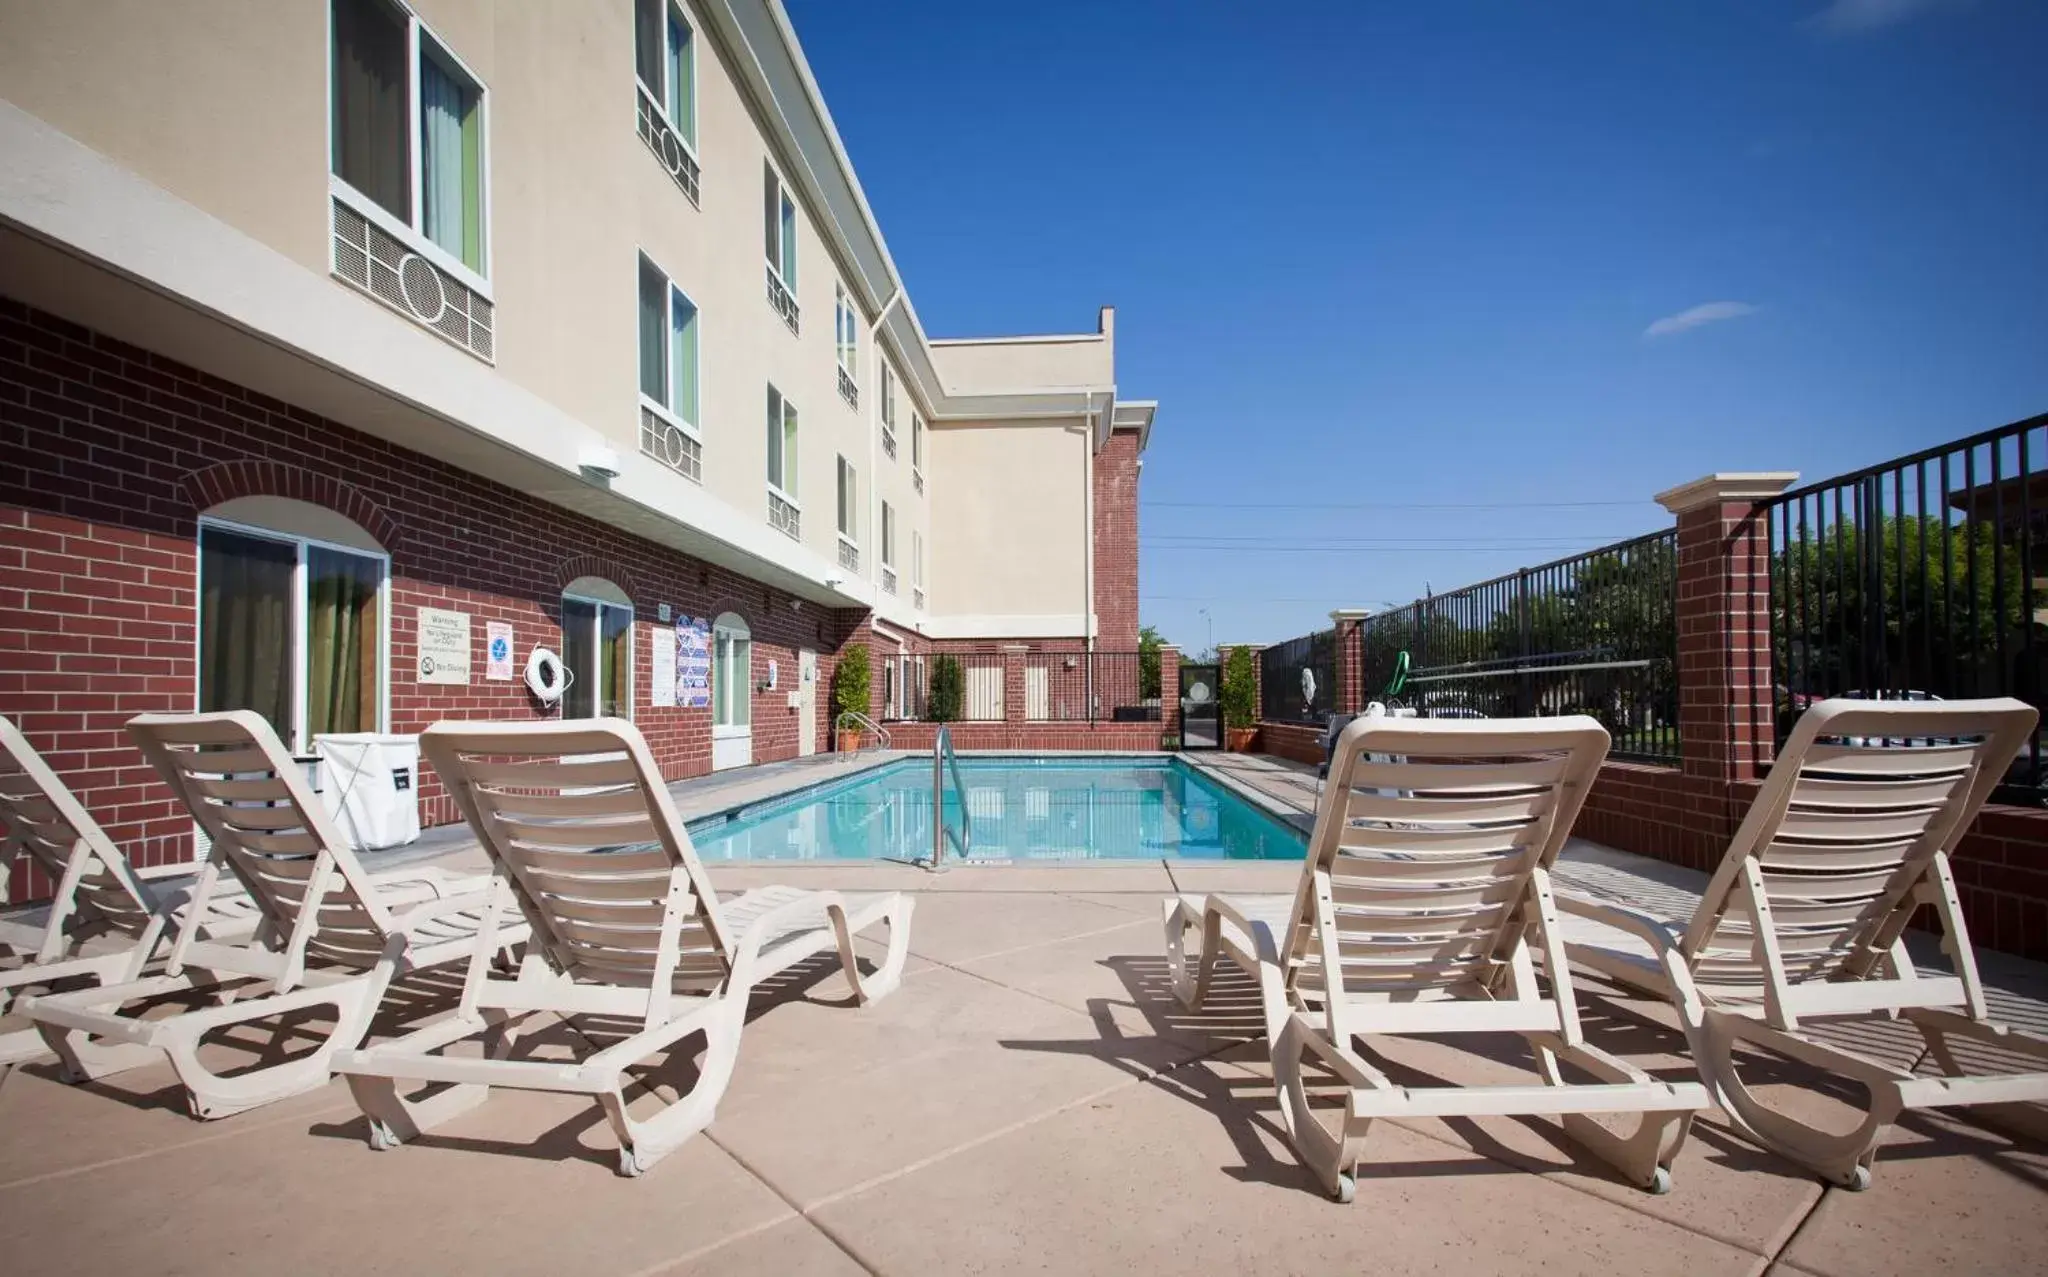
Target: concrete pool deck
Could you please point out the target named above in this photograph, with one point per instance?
(1031, 1100)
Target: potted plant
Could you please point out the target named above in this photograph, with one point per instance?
(1240, 700)
(850, 693)
(947, 689)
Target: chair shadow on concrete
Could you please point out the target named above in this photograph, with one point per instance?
(658, 1081)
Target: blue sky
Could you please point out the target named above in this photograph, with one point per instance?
(1408, 276)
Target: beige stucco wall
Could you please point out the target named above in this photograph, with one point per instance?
(1012, 364)
(1011, 519)
(221, 102)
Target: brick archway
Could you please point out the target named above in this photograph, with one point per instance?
(597, 565)
(223, 481)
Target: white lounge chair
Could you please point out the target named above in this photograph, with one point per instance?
(332, 935)
(1802, 923)
(105, 922)
(1426, 886)
(588, 848)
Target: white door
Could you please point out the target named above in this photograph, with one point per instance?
(807, 702)
(985, 694)
(1037, 693)
(732, 693)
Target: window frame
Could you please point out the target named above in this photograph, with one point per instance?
(849, 502)
(301, 736)
(791, 442)
(597, 645)
(888, 535)
(846, 344)
(414, 236)
(731, 730)
(916, 445)
(786, 245)
(674, 290)
(657, 95)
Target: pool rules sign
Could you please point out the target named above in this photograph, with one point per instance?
(443, 646)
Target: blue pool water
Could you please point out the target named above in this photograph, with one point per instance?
(1022, 809)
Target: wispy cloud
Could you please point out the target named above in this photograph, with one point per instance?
(1852, 17)
(1686, 320)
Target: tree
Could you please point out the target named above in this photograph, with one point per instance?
(1240, 695)
(1149, 644)
(853, 681)
(947, 690)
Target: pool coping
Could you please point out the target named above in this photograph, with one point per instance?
(1288, 814)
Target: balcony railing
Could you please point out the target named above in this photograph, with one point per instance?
(917, 597)
(888, 580)
(917, 481)
(783, 516)
(849, 555)
(889, 442)
(671, 445)
(848, 391)
(670, 149)
(779, 298)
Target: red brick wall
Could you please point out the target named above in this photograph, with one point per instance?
(1296, 742)
(112, 453)
(1116, 543)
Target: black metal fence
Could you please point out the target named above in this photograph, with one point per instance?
(1925, 577)
(1298, 679)
(1593, 634)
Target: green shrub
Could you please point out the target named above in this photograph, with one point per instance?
(1240, 689)
(852, 681)
(1149, 644)
(947, 690)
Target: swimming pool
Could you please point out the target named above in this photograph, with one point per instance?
(1023, 809)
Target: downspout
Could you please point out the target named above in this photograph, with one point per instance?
(1088, 530)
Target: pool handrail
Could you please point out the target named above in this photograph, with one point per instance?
(861, 722)
(945, 766)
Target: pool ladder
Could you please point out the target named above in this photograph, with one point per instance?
(946, 770)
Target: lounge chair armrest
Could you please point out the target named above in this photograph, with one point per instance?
(1259, 932)
(183, 869)
(411, 919)
(1644, 926)
(765, 926)
(1308, 1035)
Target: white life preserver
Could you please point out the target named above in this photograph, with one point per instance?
(546, 677)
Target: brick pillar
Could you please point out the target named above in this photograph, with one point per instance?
(1169, 690)
(1725, 713)
(1013, 681)
(1347, 622)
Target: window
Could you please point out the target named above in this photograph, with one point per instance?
(781, 443)
(917, 449)
(665, 59)
(668, 347)
(292, 627)
(849, 526)
(845, 325)
(408, 130)
(780, 211)
(917, 567)
(888, 410)
(732, 674)
(888, 549)
(597, 650)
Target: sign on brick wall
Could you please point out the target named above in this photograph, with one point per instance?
(443, 646)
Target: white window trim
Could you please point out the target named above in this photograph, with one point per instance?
(301, 739)
(773, 490)
(731, 731)
(843, 302)
(597, 644)
(796, 218)
(886, 535)
(771, 485)
(659, 409)
(416, 239)
(851, 538)
(657, 95)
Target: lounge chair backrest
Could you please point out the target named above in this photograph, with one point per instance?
(46, 823)
(270, 830)
(1428, 836)
(576, 817)
(1863, 799)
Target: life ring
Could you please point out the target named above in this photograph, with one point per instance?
(546, 677)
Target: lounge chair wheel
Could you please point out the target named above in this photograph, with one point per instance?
(629, 1166)
(1857, 1179)
(1660, 1181)
(1347, 1189)
(381, 1137)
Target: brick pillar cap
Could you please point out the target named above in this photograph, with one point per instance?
(1727, 485)
(1350, 614)
(1016, 647)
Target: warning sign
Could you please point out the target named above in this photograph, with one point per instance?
(498, 650)
(443, 646)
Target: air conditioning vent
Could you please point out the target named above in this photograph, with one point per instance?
(671, 445)
(382, 266)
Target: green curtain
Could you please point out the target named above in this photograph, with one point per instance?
(370, 107)
(653, 368)
(342, 633)
(579, 657)
(682, 79)
(452, 170)
(245, 625)
(618, 662)
(683, 357)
